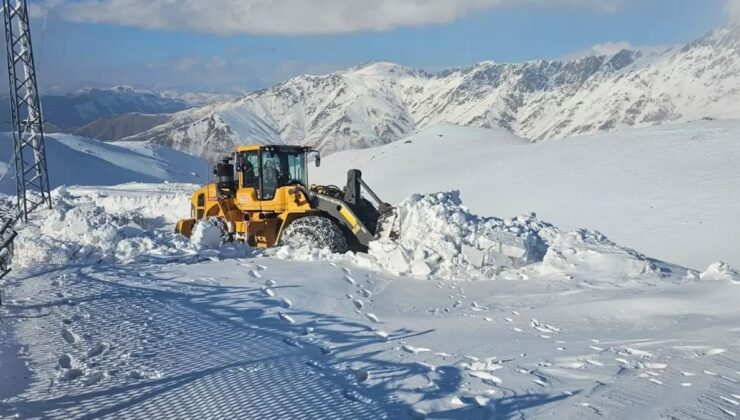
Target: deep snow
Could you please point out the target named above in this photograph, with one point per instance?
(174, 329)
(669, 191)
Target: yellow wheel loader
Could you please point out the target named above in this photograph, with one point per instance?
(261, 196)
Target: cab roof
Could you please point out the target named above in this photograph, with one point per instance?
(257, 147)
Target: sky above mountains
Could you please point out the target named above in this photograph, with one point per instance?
(222, 45)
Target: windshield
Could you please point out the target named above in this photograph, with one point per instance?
(282, 167)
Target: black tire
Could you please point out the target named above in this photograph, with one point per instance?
(220, 223)
(315, 232)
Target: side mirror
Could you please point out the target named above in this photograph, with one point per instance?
(318, 157)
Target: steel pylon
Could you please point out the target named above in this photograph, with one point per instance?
(32, 177)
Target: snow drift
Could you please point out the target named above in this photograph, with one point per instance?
(438, 238)
(129, 223)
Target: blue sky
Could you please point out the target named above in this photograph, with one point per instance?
(90, 47)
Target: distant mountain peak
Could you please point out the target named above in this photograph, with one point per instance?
(379, 102)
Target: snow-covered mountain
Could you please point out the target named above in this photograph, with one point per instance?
(78, 108)
(381, 102)
(77, 160)
(69, 111)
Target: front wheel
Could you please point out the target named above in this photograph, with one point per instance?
(314, 232)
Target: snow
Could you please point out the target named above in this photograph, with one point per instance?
(206, 236)
(378, 103)
(438, 237)
(81, 161)
(464, 315)
(668, 191)
(107, 304)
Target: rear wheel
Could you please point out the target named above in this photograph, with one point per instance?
(315, 232)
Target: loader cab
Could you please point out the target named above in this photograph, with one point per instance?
(261, 171)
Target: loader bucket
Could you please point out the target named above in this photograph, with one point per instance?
(388, 225)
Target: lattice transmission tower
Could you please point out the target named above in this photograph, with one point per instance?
(29, 151)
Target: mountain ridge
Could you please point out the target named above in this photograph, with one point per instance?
(379, 102)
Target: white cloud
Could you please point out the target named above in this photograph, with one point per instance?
(607, 48)
(287, 17)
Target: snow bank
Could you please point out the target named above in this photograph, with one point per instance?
(585, 251)
(107, 227)
(720, 271)
(439, 237)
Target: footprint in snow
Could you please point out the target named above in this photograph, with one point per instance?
(540, 382)
(270, 283)
(255, 274)
(414, 350)
(286, 318)
(326, 350)
(69, 336)
(486, 377)
(65, 361)
(350, 280)
(358, 303)
(268, 292)
(261, 267)
(98, 349)
(95, 377)
(316, 365)
(361, 375)
(355, 396)
(286, 303)
(372, 317)
(381, 334)
(293, 343)
(365, 293)
(346, 270)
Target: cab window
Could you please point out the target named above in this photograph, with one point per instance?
(250, 169)
(282, 167)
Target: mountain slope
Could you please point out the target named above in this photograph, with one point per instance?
(669, 191)
(378, 103)
(119, 126)
(83, 161)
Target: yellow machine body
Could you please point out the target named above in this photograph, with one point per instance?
(266, 189)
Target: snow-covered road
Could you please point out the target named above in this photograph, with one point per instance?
(268, 338)
(154, 344)
(108, 313)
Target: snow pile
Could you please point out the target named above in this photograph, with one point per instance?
(439, 237)
(720, 271)
(206, 235)
(78, 229)
(588, 251)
